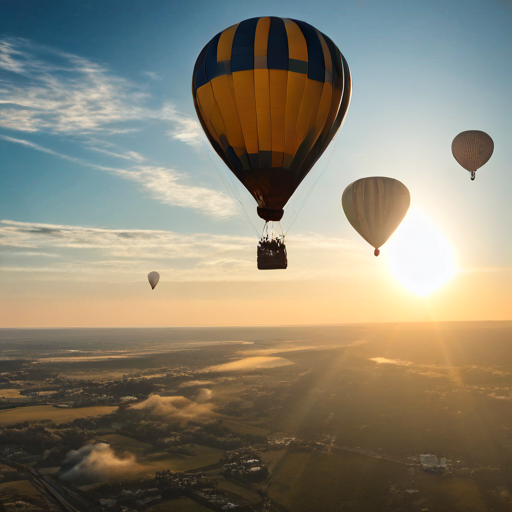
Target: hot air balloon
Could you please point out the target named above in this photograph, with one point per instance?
(375, 207)
(472, 149)
(270, 94)
(153, 278)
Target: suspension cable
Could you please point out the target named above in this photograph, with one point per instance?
(236, 200)
(315, 184)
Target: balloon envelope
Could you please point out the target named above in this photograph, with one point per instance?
(375, 207)
(270, 94)
(472, 149)
(153, 278)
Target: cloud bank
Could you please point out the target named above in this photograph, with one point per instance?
(250, 363)
(175, 408)
(203, 395)
(77, 253)
(194, 383)
(97, 462)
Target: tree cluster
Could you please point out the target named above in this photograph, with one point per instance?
(38, 439)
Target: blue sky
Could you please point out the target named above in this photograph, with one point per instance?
(99, 140)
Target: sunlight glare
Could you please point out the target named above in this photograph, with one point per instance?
(420, 256)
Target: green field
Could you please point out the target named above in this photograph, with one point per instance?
(48, 412)
(203, 457)
(179, 505)
(11, 493)
(155, 461)
(305, 481)
(11, 393)
(125, 444)
(244, 428)
(151, 460)
(230, 486)
(18, 488)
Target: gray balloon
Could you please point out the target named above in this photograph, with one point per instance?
(472, 149)
(153, 278)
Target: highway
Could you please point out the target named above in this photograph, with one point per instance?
(58, 497)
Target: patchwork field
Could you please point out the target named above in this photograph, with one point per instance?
(244, 428)
(305, 481)
(149, 460)
(203, 457)
(20, 487)
(48, 412)
(122, 444)
(179, 505)
(11, 393)
(371, 398)
(12, 494)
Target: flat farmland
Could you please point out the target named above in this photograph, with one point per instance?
(305, 481)
(48, 412)
(122, 444)
(149, 460)
(11, 393)
(19, 487)
(203, 456)
(179, 505)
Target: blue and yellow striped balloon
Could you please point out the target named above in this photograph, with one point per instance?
(271, 93)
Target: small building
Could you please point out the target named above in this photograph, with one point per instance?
(430, 463)
(107, 502)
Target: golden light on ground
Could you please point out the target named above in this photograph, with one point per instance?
(420, 257)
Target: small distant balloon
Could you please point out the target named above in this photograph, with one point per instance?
(472, 149)
(375, 207)
(153, 278)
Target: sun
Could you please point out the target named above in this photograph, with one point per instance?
(420, 257)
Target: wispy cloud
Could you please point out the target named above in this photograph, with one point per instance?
(44, 89)
(185, 129)
(63, 93)
(101, 250)
(124, 253)
(37, 147)
(165, 185)
(152, 74)
(10, 58)
(115, 241)
(168, 186)
(127, 155)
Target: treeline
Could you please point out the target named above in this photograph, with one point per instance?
(171, 436)
(42, 439)
(49, 440)
(115, 388)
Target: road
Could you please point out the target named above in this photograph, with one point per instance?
(58, 497)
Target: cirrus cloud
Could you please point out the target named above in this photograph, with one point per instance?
(45, 89)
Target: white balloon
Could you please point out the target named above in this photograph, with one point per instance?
(153, 278)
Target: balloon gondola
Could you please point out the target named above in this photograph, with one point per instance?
(271, 252)
(270, 94)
